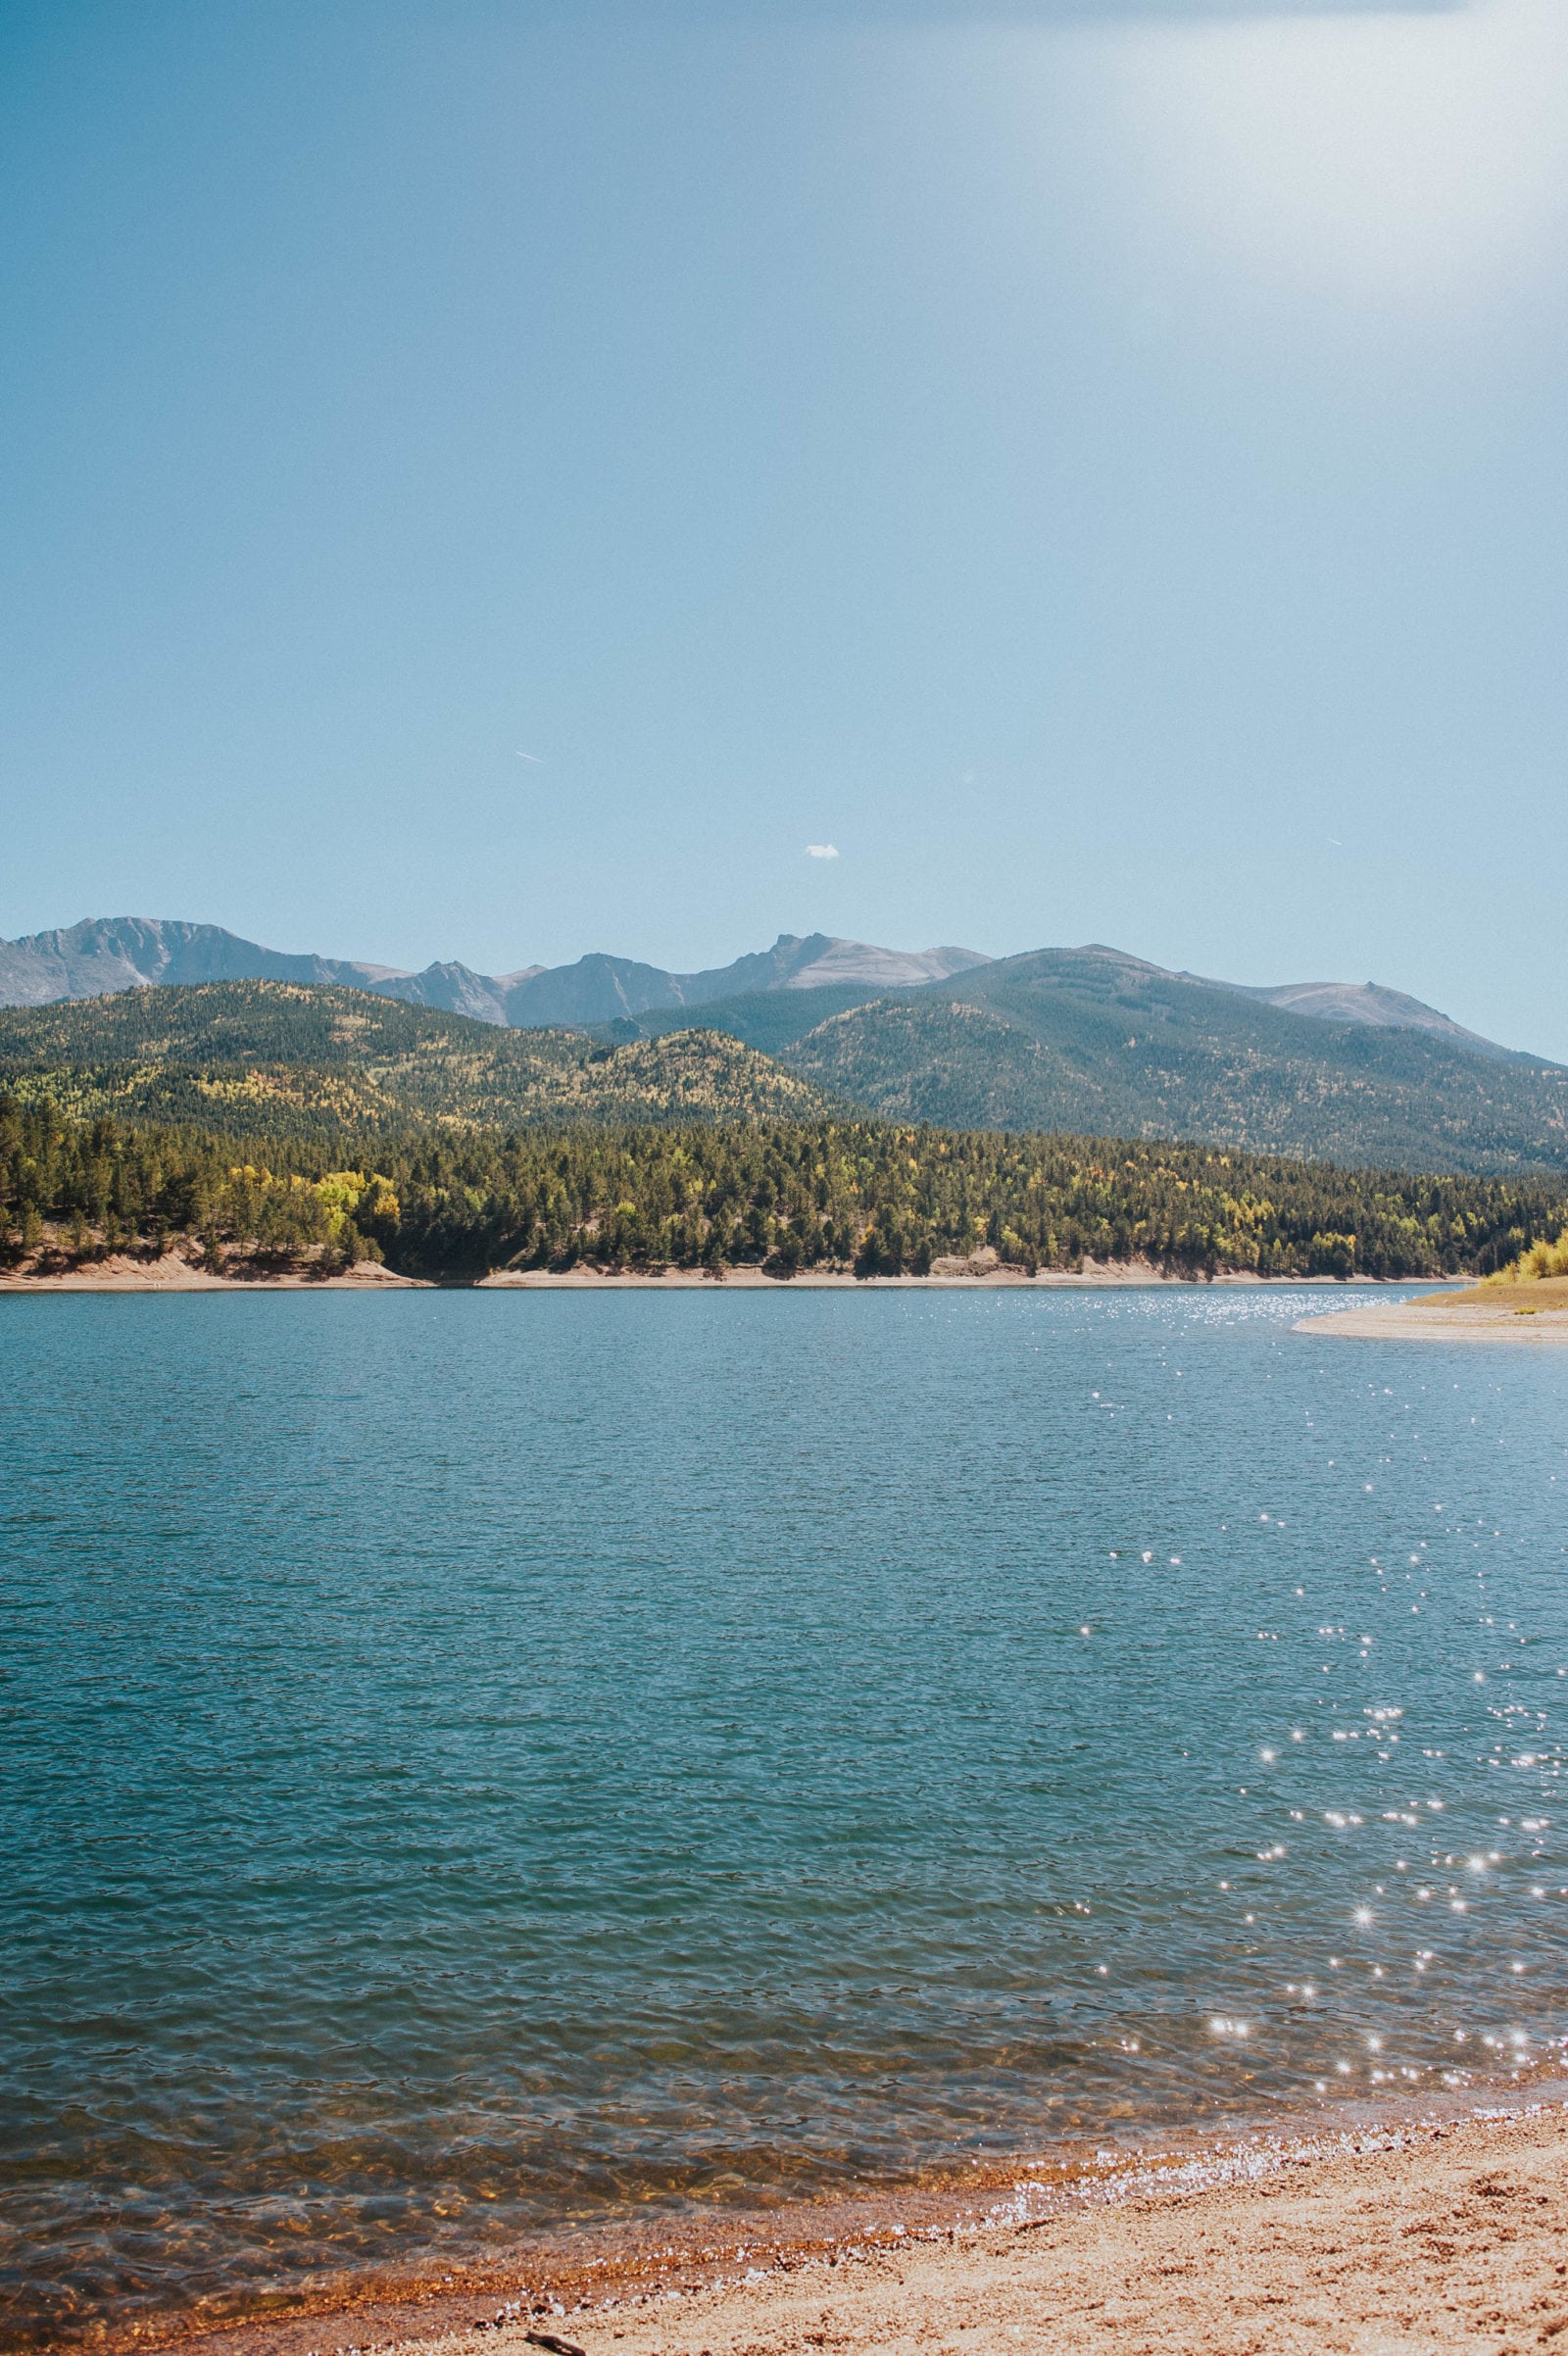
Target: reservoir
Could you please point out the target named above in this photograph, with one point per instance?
(480, 1765)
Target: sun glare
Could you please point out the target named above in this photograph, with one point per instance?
(1418, 160)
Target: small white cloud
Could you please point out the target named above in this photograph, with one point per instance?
(822, 851)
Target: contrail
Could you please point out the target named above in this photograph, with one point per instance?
(531, 756)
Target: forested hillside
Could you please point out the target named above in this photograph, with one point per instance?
(874, 1199)
(1086, 1041)
(278, 1058)
(1091, 1040)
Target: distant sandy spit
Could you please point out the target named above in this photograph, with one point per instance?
(1416, 2241)
(119, 1273)
(1440, 1320)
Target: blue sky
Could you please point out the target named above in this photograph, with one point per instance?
(1100, 470)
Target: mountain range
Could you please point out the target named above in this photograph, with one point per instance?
(102, 955)
(105, 953)
(1090, 1039)
(1098, 1043)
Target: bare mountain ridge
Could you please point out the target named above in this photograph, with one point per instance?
(1370, 1003)
(104, 955)
(1364, 1002)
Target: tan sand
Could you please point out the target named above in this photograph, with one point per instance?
(1406, 2241)
(174, 1273)
(1506, 1316)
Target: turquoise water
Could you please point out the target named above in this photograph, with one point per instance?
(479, 1761)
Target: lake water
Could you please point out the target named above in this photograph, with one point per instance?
(478, 1761)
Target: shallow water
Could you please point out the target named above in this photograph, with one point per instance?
(479, 1761)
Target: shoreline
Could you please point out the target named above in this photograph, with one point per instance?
(1447, 2226)
(1105, 1276)
(175, 1273)
(1441, 1321)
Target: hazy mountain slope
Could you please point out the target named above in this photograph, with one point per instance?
(603, 988)
(597, 989)
(104, 955)
(771, 1021)
(1098, 968)
(450, 989)
(600, 990)
(1116, 984)
(1364, 1002)
(125, 953)
(882, 968)
(263, 1056)
(110, 953)
(960, 1066)
(1088, 1040)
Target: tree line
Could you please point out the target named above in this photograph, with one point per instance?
(875, 1198)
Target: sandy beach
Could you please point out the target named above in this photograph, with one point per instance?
(1507, 1318)
(1414, 2238)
